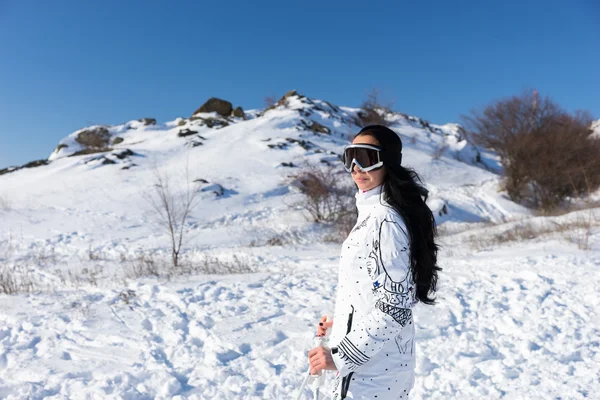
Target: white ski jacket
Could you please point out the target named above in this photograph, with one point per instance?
(372, 337)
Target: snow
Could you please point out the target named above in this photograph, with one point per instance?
(596, 129)
(516, 318)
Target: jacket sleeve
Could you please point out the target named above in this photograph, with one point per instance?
(389, 277)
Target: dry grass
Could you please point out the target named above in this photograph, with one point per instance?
(577, 230)
(272, 237)
(16, 279)
(150, 265)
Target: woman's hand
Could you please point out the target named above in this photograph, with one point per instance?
(319, 359)
(324, 325)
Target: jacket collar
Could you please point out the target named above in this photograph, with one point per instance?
(367, 199)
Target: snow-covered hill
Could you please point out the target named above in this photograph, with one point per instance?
(518, 304)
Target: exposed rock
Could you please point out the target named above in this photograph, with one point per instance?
(215, 188)
(288, 94)
(124, 154)
(210, 122)
(60, 147)
(201, 180)
(443, 211)
(95, 137)
(182, 121)
(109, 159)
(285, 164)
(186, 132)
(305, 144)
(282, 101)
(117, 140)
(221, 107)
(213, 122)
(316, 127)
(239, 112)
(148, 121)
(31, 164)
(278, 145)
(91, 151)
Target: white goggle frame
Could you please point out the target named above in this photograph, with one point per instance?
(364, 146)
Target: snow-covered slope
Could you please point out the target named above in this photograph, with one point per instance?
(596, 129)
(78, 196)
(517, 314)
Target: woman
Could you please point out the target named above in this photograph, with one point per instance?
(387, 265)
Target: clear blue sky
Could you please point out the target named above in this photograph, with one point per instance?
(68, 64)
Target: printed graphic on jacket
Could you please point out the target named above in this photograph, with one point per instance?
(362, 224)
(404, 347)
(397, 296)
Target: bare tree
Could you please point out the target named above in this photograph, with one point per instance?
(270, 101)
(173, 207)
(546, 152)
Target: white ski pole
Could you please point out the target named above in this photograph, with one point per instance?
(303, 386)
(317, 341)
(320, 377)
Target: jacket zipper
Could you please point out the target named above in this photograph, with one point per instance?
(350, 320)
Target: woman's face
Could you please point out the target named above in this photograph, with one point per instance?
(371, 179)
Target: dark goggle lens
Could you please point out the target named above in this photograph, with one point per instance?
(365, 157)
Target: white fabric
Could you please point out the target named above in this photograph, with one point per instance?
(373, 326)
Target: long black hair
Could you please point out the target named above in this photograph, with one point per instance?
(404, 191)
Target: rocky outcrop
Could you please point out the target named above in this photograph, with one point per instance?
(31, 164)
(221, 107)
(148, 121)
(239, 113)
(94, 137)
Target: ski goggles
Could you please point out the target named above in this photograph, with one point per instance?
(366, 157)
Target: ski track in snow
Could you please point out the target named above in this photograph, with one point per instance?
(505, 327)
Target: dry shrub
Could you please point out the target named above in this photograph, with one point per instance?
(143, 265)
(16, 279)
(547, 153)
(326, 197)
